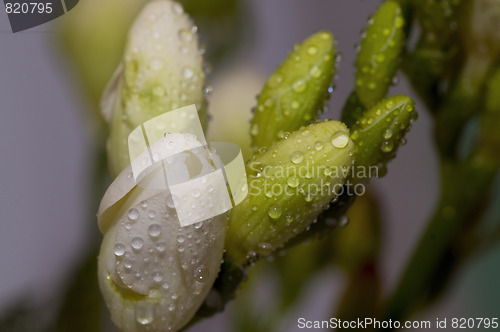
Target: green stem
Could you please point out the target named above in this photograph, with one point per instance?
(465, 189)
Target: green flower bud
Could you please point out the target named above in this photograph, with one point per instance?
(438, 19)
(289, 185)
(378, 57)
(482, 35)
(161, 71)
(154, 273)
(296, 92)
(490, 120)
(379, 132)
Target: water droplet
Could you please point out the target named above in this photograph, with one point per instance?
(144, 313)
(119, 249)
(154, 230)
(293, 181)
(201, 274)
(158, 91)
(144, 204)
(340, 140)
(388, 134)
(380, 58)
(170, 202)
(308, 197)
(127, 263)
(137, 243)
(156, 64)
(185, 35)
(387, 146)
(196, 193)
(177, 8)
(274, 211)
(399, 22)
(312, 50)
(133, 214)
(265, 248)
(395, 80)
(157, 277)
(299, 86)
(254, 131)
(315, 72)
(151, 214)
(187, 72)
(180, 238)
(297, 157)
(343, 221)
(389, 105)
(295, 104)
(339, 57)
(372, 85)
(318, 146)
(161, 247)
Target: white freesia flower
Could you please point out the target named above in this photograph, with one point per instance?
(153, 273)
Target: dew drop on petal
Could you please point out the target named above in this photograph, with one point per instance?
(133, 214)
(154, 230)
(119, 249)
(137, 243)
(201, 274)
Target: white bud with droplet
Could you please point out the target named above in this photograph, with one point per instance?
(154, 273)
(162, 70)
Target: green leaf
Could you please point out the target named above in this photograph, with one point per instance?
(379, 133)
(379, 55)
(289, 185)
(297, 91)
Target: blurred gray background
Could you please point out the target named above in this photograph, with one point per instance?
(45, 144)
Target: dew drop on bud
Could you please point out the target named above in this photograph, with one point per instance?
(187, 72)
(387, 146)
(185, 35)
(274, 211)
(297, 157)
(340, 140)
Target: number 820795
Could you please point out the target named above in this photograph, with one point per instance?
(28, 8)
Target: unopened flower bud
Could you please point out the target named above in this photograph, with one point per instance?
(289, 184)
(297, 91)
(162, 70)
